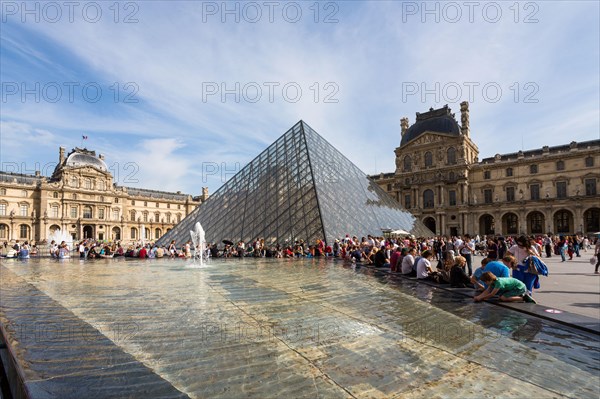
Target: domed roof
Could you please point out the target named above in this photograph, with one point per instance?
(79, 158)
(436, 120)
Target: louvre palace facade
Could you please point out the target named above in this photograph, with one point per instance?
(440, 179)
(81, 199)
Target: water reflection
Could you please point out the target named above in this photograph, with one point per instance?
(302, 328)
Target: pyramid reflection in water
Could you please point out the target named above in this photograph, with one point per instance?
(300, 187)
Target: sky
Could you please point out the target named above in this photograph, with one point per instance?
(181, 94)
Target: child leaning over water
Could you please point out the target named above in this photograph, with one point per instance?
(510, 289)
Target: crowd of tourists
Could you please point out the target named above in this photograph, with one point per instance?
(511, 266)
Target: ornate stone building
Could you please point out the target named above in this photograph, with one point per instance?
(440, 179)
(80, 198)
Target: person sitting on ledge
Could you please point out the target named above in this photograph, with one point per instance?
(381, 259)
(424, 270)
(408, 263)
(508, 288)
(458, 277)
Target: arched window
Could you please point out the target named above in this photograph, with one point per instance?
(428, 159)
(512, 223)
(561, 220)
(451, 154)
(157, 234)
(55, 194)
(87, 212)
(428, 199)
(407, 164)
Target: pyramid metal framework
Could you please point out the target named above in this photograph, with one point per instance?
(300, 187)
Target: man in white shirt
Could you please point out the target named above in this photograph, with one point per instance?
(467, 249)
(424, 269)
(408, 262)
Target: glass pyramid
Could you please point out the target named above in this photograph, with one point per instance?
(300, 187)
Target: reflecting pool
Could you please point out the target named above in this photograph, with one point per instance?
(276, 328)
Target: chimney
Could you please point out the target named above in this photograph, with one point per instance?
(403, 126)
(61, 155)
(464, 118)
(204, 193)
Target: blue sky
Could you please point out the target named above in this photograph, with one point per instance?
(164, 121)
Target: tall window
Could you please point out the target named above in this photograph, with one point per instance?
(407, 164)
(115, 214)
(534, 190)
(24, 193)
(101, 213)
(101, 185)
(389, 187)
(178, 217)
(533, 169)
(24, 231)
(510, 194)
(511, 223)
(87, 183)
(133, 232)
(509, 172)
(428, 159)
(451, 154)
(560, 165)
(487, 174)
(157, 234)
(24, 209)
(132, 202)
(145, 216)
(132, 216)
(145, 203)
(3, 231)
(73, 212)
(54, 211)
(452, 197)
(157, 217)
(74, 182)
(562, 222)
(428, 199)
(55, 194)
(407, 204)
(2, 209)
(2, 191)
(87, 212)
(537, 223)
(168, 206)
(589, 162)
(168, 218)
(590, 186)
(561, 189)
(487, 196)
